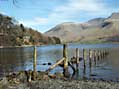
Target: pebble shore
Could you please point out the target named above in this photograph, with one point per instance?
(60, 84)
(24, 80)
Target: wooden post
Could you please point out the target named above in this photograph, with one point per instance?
(90, 59)
(34, 63)
(65, 70)
(98, 55)
(84, 61)
(65, 56)
(101, 54)
(77, 59)
(95, 56)
(90, 62)
(29, 76)
(104, 53)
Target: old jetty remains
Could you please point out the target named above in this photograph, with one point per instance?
(92, 55)
(89, 58)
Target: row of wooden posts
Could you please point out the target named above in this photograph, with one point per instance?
(93, 55)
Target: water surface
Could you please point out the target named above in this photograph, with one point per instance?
(17, 59)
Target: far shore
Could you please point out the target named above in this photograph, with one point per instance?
(59, 44)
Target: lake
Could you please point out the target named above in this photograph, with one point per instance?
(17, 59)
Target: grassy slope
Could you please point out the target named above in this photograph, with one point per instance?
(72, 32)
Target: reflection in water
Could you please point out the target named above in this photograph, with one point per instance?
(13, 59)
(16, 59)
(75, 75)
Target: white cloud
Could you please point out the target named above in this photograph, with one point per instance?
(41, 20)
(34, 22)
(73, 7)
(72, 11)
(78, 5)
(3, 12)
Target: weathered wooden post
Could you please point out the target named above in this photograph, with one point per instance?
(29, 76)
(55, 65)
(77, 59)
(34, 63)
(65, 70)
(98, 54)
(95, 56)
(90, 59)
(84, 61)
(104, 53)
(101, 54)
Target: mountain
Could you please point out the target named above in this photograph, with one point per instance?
(98, 29)
(14, 34)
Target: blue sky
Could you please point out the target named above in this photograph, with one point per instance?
(42, 15)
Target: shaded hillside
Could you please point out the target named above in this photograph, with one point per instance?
(99, 29)
(14, 34)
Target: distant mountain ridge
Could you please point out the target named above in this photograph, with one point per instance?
(98, 29)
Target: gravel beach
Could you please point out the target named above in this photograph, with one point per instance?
(60, 84)
(23, 80)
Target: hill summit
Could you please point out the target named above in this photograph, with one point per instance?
(98, 29)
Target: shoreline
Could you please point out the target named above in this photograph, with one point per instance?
(56, 44)
(26, 46)
(60, 84)
(44, 81)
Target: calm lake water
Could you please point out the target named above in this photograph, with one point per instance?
(17, 59)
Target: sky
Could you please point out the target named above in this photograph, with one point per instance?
(42, 15)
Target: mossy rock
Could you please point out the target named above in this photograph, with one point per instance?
(42, 75)
(4, 83)
(59, 75)
(22, 76)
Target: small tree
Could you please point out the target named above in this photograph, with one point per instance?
(22, 27)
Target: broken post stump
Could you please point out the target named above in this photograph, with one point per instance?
(55, 65)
